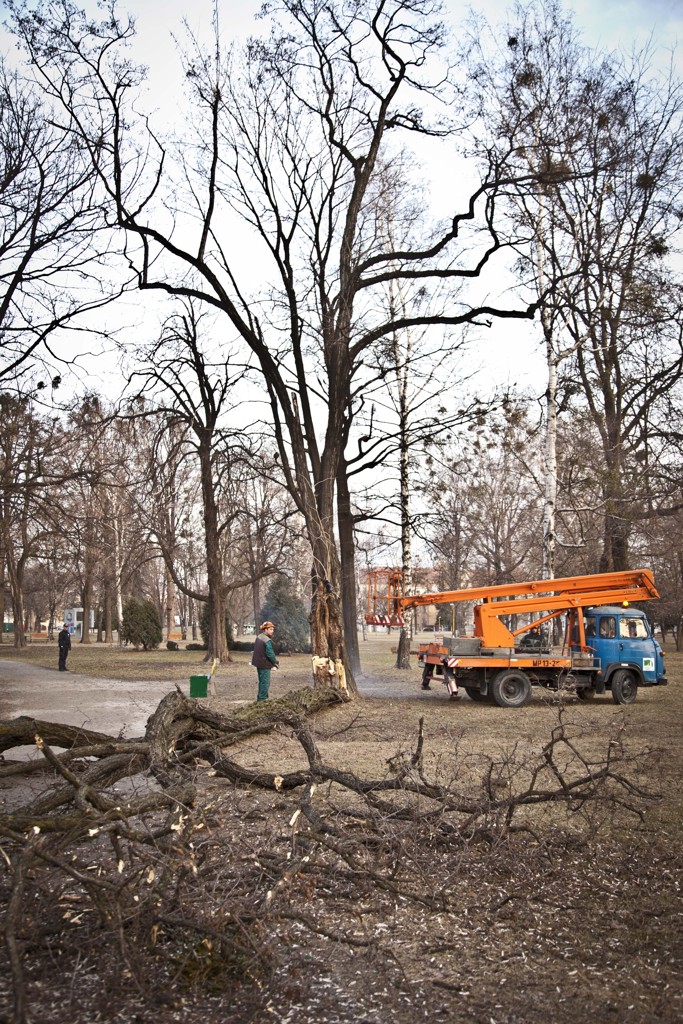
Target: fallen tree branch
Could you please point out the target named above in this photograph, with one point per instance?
(178, 733)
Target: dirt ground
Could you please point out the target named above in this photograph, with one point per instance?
(574, 917)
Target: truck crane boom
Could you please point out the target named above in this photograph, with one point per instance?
(556, 596)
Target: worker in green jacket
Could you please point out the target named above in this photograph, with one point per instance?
(264, 658)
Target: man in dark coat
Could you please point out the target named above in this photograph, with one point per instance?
(264, 658)
(64, 641)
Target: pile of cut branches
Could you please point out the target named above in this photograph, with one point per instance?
(179, 885)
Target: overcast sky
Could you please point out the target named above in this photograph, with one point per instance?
(609, 24)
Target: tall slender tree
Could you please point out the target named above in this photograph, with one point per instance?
(191, 394)
(56, 252)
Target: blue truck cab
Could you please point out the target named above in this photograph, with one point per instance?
(628, 654)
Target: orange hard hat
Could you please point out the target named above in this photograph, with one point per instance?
(267, 625)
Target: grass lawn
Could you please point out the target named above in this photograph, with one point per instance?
(111, 661)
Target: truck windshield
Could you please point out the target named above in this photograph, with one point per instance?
(632, 629)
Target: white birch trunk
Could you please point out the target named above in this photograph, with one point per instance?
(118, 596)
(550, 501)
(402, 366)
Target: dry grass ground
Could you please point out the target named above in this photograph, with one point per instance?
(576, 918)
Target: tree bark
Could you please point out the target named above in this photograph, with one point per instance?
(347, 554)
(108, 631)
(2, 595)
(15, 573)
(330, 664)
(403, 365)
(170, 592)
(217, 646)
(86, 596)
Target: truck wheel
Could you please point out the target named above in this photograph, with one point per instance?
(475, 694)
(624, 687)
(511, 689)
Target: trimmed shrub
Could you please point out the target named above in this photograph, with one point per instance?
(242, 645)
(141, 624)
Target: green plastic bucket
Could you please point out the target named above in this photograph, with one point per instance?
(198, 686)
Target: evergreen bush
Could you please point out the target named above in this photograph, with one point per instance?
(288, 612)
(141, 624)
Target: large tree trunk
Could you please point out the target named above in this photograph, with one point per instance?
(331, 667)
(118, 592)
(88, 580)
(256, 602)
(86, 595)
(550, 469)
(615, 551)
(217, 647)
(403, 653)
(315, 491)
(170, 598)
(550, 501)
(15, 573)
(347, 552)
(2, 595)
(108, 631)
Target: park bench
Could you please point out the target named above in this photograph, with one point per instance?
(33, 637)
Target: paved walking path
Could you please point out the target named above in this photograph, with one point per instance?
(119, 707)
(104, 705)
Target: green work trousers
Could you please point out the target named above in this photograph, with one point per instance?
(263, 683)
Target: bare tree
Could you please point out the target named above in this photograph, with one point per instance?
(193, 394)
(52, 267)
(416, 398)
(604, 135)
(289, 137)
(485, 504)
(20, 528)
(34, 467)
